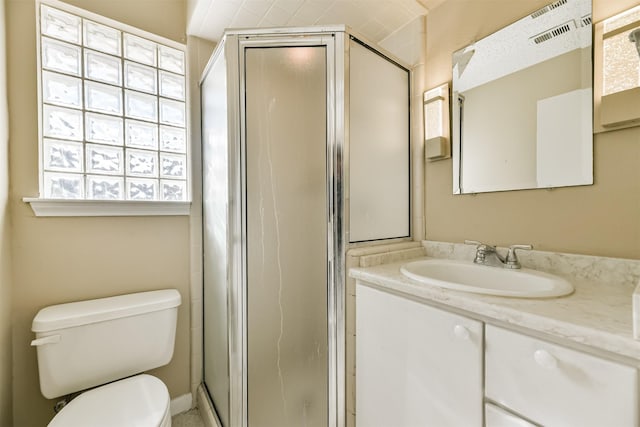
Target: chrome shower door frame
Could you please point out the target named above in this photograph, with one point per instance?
(236, 42)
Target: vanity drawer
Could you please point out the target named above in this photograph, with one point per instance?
(497, 417)
(556, 386)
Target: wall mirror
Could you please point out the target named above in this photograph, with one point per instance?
(522, 104)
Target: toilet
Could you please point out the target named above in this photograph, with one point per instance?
(103, 346)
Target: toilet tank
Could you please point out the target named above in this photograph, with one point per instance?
(88, 343)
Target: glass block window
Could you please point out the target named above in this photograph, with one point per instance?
(113, 106)
(621, 56)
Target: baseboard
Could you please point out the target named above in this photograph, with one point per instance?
(205, 407)
(181, 404)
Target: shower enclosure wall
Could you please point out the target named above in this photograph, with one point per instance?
(305, 151)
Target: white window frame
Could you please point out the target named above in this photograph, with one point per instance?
(88, 207)
(616, 104)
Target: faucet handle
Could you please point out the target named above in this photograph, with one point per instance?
(482, 250)
(481, 246)
(512, 258)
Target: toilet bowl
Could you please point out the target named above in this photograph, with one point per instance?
(138, 401)
(102, 346)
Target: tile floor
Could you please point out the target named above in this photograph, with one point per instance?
(187, 419)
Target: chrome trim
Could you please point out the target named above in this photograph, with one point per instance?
(335, 288)
(236, 308)
(218, 51)
(336, 40)
(457, 102)
(341, 158)
(352, 36)
(288, 32)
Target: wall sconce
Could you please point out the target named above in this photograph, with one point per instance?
(436, 123)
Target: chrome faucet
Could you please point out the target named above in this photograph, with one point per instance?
(488, 255)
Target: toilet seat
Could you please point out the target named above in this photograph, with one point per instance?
(139, 401)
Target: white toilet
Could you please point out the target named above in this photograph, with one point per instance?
(90, 343)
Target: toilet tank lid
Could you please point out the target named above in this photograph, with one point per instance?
(79, 313)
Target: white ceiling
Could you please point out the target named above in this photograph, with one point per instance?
(374, 19)
(513, 48)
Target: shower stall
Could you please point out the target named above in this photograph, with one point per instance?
(305, 152)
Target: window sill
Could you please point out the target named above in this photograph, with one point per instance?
(54, 207)
(620, 109)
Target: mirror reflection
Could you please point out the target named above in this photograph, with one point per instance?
(522, 104)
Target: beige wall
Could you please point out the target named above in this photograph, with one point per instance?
(598, 220)
(5, 263)
(65, 259)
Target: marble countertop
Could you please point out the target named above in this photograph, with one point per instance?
(597, 315)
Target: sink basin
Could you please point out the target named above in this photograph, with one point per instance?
(481, 279)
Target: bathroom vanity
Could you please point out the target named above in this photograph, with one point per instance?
(432, 356)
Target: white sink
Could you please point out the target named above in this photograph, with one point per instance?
(481, 279)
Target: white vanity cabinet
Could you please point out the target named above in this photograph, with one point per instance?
(415, 365)
(498, 417)
(556, 386)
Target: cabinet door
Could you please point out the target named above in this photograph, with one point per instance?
(415, 365)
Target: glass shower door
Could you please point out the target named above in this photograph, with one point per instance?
(215, 223)
(286, 215)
